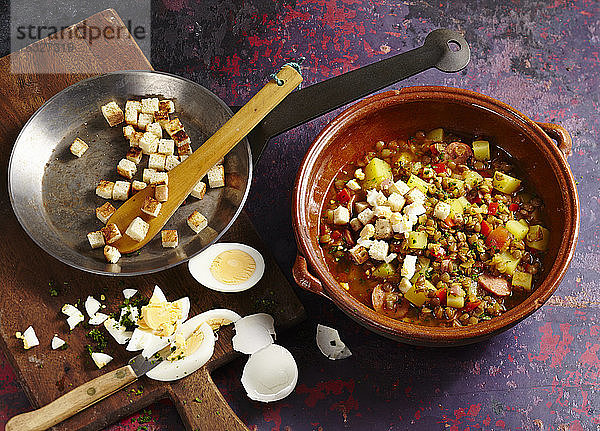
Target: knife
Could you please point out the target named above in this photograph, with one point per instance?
(85, 395)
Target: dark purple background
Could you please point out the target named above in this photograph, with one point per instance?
(542, 57)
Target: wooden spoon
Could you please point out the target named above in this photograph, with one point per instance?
(184, 177)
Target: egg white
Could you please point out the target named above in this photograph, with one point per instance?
(199, 267)
(168, 371)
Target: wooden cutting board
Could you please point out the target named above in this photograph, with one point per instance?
(27, 272)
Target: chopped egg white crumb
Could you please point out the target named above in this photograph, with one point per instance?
(57, 342)
(29, 338)
(128, 293)
(75, 316)
(92, 306)
(101, 359)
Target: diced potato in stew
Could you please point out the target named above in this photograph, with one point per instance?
(434, 229)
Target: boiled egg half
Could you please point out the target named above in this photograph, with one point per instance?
(228, 267)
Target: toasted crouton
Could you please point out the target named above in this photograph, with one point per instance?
(96, 239)
(144, 120)
(181, 138)
(166, 147)
(134, 105)
(136, 186)
(105, 211)
(104, 189)
(146, 174)
(111, 233)
(111, 254)
(149, 143)
(161, 192)
(166, 105)
(154, 128)
(170, 239)
(112, 113)
(78, 147)
(159, 178)
(150, 105)
(170, 162)
(173, 126)
(216, 176)
(128, 131)
(121, 190)
(137, 229)
(131, 117)
(126, 168)
(135, 138)
(134, 154)
(184, 150)
(161, 117)
(197, 221)
(151, 206)
(157, 162)
(199, 190)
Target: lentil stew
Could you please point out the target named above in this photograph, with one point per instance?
(434, 229)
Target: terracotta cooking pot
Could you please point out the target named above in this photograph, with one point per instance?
(387, 116)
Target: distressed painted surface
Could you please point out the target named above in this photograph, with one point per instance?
(542, 57)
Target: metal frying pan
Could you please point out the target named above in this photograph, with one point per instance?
(52, 192)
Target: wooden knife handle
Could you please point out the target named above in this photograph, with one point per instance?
(72, 402)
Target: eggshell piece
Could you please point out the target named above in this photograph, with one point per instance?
(259, 319)
(270, 374)
(330, 344)
(200, 268)
(173, 370)
(253, 333)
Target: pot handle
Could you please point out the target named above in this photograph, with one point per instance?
(560, 135)
(444, 49)
(305, 279)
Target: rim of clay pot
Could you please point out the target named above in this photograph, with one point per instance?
(419, 334)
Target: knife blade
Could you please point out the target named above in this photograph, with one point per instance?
(141, 365)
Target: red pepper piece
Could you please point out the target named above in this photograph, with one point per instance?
(485, 228)
(439, 168)
(336, 235)
(433, 150)
(471, 306)
(344, 196)
(493, 208)
(449, 221)
(513, 207)
(441, 294)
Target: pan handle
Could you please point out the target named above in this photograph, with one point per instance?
(447, 50)
(305, 279)
(560, 135)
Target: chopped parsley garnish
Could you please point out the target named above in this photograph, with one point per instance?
(99, 340)
(145, 417)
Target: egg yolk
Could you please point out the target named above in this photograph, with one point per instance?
(160, 317)
(185, 347)
(233, 267)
